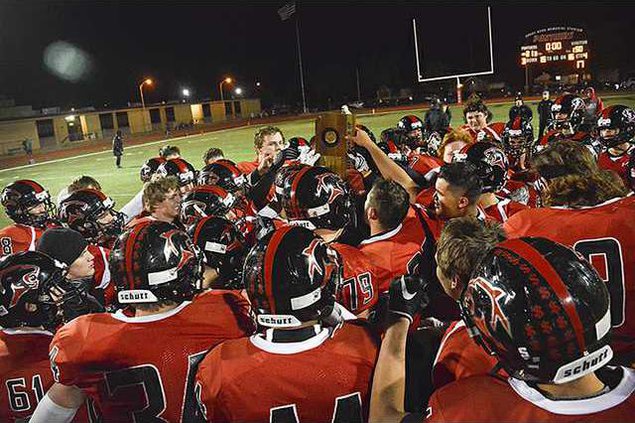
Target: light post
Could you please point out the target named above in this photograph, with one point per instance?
(238, 91)
(146, 81)
(227, 80)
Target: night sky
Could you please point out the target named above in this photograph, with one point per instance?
(196, 45)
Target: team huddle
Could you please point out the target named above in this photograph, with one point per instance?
(451, 274)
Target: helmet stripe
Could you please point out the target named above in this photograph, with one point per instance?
(37, 187)
(128, 253)
(294, 186)
(270, 256)
(526, 251)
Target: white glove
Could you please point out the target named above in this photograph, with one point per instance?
(309, 157)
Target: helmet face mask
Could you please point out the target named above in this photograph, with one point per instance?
(26, 202)
(204, 201)
(225, 174)
(541, 309)
(34, 292)
(91, 213)
(518, 141)
(490, 163)
(616, 126)
(567, 113)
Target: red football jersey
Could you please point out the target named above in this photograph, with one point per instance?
(503, 210)
(142, 368)
(459, 357)
(489, 399)
(247, 167)
(604, 235)
(25, 372)
(324, 378)
(101, 278)
(359, 287)
(423, 164)
(405, 249)
(15, 238)
(618, 164)
(492, 132)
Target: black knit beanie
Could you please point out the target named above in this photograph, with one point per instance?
(62, 244)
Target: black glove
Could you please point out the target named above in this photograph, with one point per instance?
(407, 296)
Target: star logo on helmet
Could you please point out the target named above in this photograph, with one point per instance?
(169, 248)
(309, 252)
(332, 189)
(495, 295)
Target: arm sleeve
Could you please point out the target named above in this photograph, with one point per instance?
(208, 385)
(133, 207)
(47, 411)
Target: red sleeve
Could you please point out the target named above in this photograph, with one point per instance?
(208, 383)
(14, 239)
(65, 351)
(247, 167)
(516, 226)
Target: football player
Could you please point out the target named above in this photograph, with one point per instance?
(568, 113)
(587, 209)
(318, 199)
(224, 250)
(29, 205)
(161, 201)
(290, 277)
(87, 263)
(617, 132)
(268, 142)
(143, 367)
(463, 243)
(477, 124)
(543, 312)
(492, 168)
(412, 128)
(92, 214)
(30, 315)
(182, 170)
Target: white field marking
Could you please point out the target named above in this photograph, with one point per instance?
(228, 130)
(108, 150)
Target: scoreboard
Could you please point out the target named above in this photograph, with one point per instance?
(555, 46)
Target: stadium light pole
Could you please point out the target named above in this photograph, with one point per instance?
(227, 80)
(146, 81)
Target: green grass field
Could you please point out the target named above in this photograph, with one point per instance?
(123, 184)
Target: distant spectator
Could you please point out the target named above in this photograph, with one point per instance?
(27, 146)
(117, 147)
(435, 119)
(544, 112)
(212, 154)
(169, 152)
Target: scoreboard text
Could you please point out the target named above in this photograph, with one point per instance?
(549, 45)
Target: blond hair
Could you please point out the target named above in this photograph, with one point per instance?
(156, 191)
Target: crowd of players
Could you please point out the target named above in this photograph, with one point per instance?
(453, 274)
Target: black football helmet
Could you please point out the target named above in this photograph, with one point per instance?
(490, 163)
(291, 276)
(223, 248)
(83, 210)
(21, 196)
(225, 174)
(541, 309)
(412, 126)
(518, 139)
(620, 118)
(573, 108)
(34, 292)
(150, 167)
(155, 261)
(315, 198)
(206, 200)
(181, 169)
